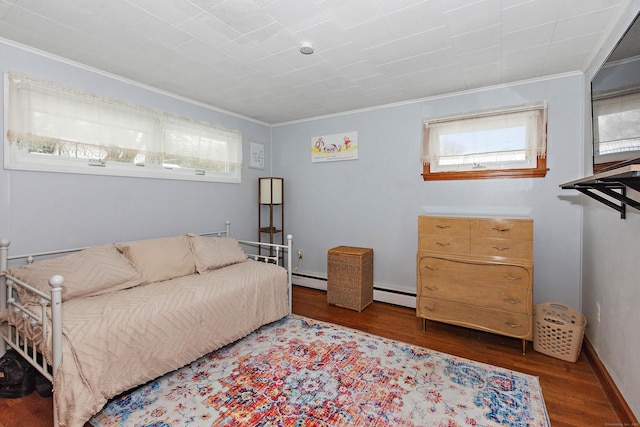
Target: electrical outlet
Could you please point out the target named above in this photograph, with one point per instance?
(598, 312)
(300, 254)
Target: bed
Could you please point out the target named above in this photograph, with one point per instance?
(118, 315)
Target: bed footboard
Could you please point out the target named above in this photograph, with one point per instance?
(276, 252)
(27, 327)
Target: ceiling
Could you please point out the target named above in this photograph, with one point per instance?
(244, 56)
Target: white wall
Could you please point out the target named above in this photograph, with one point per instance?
(40, 211)
(375, 201)
(610, 268)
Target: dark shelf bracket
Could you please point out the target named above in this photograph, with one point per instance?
(612, 183)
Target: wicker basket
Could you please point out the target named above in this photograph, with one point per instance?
(350, 277)
(558, 331)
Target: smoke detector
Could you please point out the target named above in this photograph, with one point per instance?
(306, 48)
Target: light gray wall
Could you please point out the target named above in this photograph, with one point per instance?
(610, 268)
(375, 201)
(40, 211)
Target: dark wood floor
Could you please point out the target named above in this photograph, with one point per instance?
(572, 393)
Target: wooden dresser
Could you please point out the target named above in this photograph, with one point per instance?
(477, 272)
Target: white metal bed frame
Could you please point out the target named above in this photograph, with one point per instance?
(15, 339)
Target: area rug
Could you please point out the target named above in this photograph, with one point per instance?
(301, 372)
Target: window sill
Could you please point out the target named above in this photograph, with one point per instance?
(539, 172)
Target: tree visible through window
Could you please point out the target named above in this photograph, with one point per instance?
(496, 144)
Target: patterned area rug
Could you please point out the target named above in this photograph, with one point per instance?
(301, 372)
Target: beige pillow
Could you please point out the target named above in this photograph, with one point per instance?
(161, 259)
(93, 271)
(215, 252)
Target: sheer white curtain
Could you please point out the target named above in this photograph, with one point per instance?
(486, 139)
(58, 125)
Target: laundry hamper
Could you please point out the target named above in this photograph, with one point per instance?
(350, 277)
(558, 331)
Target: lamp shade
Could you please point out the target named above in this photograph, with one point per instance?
(271, 190)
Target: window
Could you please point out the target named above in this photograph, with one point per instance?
(616, 126)
(495, 144)
(55, 128)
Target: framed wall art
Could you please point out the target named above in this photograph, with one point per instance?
(335, 147)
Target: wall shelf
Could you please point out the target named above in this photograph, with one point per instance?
(613, 183)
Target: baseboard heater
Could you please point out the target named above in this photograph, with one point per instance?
(390, 296)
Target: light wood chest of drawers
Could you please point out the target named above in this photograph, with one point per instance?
(477, 272)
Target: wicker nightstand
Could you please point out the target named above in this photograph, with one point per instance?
(350, 277)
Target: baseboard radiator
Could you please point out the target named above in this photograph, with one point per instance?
(381, 294)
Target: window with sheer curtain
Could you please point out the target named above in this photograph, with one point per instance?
(51, 127)
(508, 143)
(616, 126)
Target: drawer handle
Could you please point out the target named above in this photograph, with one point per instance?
(506, 248)
(513, 325)
(442, 227)
(430, 268)
(512, 301)
(443, 244)
(427, 308)
(430, 288)
(502, 230)
(512, 278)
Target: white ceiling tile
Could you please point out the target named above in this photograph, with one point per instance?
(532, 36)
(234, 68)
(296, 14)
(271, 65)
(487, 74)
(529, 14)
(371, 33)
(244, 50)
(390, 6)
(587, 23)
(243, 55)
(154, 29)
(343, 55)
(473, 16)
(201, 53)
(275, 38)
(359, 70)
(416, 19)
(480, 57)
(569, 8)
(347, 14)
(118, 12)
(174, 13)
(415, 45)
(243, 15)
(209, 29)
(481, 39)
(324, 36)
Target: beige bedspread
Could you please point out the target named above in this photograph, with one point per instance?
(126, 338)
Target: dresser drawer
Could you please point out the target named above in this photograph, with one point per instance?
(446, 244)
(512, 299)
(502, 228)
(435, 271)
(503, 248)
(502, 322)
(443, 226)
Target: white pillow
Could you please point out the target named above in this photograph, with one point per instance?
(93, 271)
(161, 259)
(215, 252)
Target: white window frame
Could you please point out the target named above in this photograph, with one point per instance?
(518, 141)
(203, 152)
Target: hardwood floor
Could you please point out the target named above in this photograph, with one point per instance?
(573, 395)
